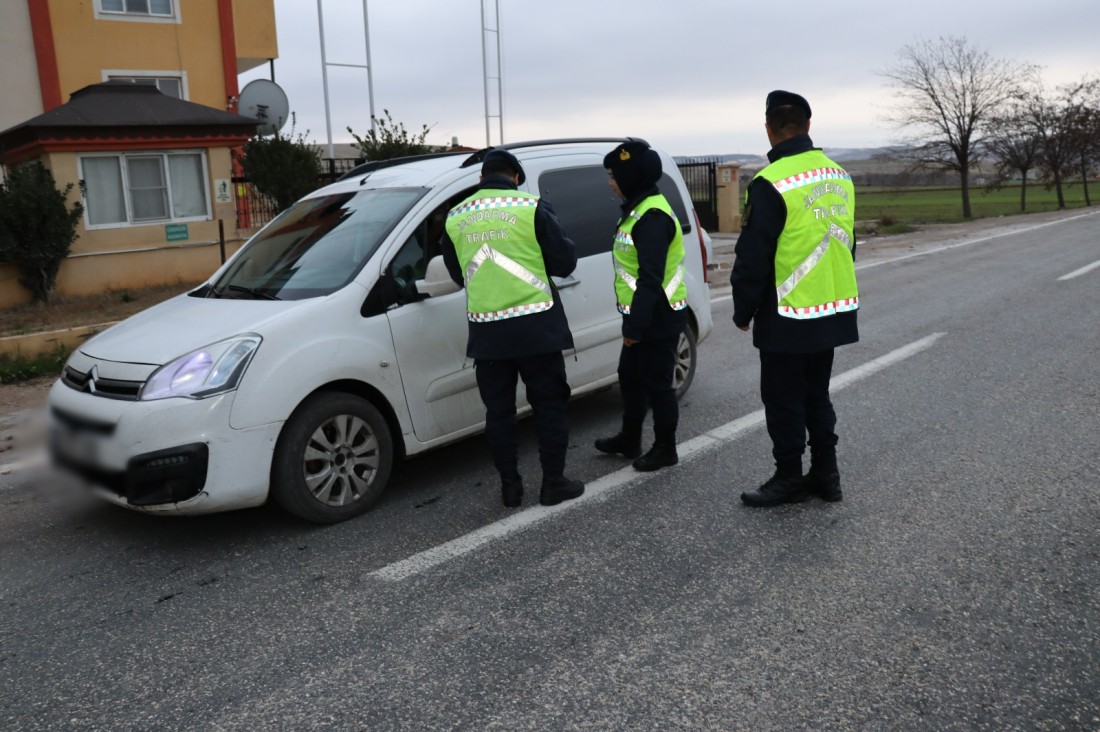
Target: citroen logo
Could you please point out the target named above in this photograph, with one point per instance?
(89, 385)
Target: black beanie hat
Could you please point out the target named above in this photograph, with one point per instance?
(780, 98)
(635, 165)
(496, 155)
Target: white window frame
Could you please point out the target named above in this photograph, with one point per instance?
(101, 14)
(128, 74)
(129, 223)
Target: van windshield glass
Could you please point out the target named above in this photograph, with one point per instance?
(316, 246)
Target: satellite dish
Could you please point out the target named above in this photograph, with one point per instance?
(266, 101)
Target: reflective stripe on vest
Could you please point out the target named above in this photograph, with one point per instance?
(500, 229)
(814, 275)
(624, 254)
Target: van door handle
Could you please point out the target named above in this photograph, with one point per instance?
(566, 283)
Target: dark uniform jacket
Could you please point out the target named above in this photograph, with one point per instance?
(651, 317)
(526, 335)
(753, 276)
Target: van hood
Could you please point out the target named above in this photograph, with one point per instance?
(182, 324)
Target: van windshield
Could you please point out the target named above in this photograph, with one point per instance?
(316, 246)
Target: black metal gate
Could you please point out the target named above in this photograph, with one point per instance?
(702, 183)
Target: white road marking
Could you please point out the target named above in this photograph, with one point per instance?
(969, 242)
(1078, 272)
(601, 488)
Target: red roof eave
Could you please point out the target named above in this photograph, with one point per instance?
(80, 141)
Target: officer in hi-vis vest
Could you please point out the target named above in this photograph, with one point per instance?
(503, 245)
(794, 279)
(648, 252)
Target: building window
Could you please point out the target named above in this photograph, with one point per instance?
(142, 188)
(172, 86)
(155, 8)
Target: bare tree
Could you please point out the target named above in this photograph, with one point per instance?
(949, 92)
(1056, 120)
(1084, 127)
(1014, 146)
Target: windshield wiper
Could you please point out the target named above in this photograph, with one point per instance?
(258, 294)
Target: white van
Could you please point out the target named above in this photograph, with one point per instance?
(333, 343)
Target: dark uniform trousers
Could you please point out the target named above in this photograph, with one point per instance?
(548, 395)
(795, 390)
(645, 380)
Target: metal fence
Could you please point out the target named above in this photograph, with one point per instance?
(254, 209)
(703, 186)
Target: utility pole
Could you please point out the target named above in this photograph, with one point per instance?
(486, 31)
(325, 64)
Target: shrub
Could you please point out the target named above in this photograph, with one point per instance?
(22, 368)
(387, 140)
(283, 167)
(37, 228)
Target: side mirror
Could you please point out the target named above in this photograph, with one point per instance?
(437, 280)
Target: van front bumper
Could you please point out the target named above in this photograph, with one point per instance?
(166, 456)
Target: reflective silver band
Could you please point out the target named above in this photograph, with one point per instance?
(517, 311)
(626, 277)
(677, 278)
(803, 269)
(509, 265)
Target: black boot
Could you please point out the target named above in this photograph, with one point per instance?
(663, 452)
(783, 487)
(661, 455)
(558, 488)
(823, 478)
(627, 443)
(511, 490)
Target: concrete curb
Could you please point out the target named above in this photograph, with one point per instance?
(47, 342)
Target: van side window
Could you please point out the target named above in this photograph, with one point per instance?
(589, 211)
(411, 261)
(586, 207)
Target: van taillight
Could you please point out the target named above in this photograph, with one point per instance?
(702, 247)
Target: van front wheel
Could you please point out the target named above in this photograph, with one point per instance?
(333, 458)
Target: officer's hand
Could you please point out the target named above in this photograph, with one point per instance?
(744, 327)
(628, 342)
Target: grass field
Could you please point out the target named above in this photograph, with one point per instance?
(914, 205)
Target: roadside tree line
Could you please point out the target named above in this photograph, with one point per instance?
(963, 106)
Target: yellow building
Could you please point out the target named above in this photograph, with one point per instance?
(153, 197)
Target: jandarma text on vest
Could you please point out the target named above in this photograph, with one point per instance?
(488, 215)
(819, 191)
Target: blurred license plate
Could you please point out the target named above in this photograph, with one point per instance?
(76, 445)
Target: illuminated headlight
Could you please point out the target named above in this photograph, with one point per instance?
(215, 369)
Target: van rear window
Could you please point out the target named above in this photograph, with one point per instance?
(589, 211)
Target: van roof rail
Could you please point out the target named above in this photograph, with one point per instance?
(478, 156)
(373, 165)
(475, 158)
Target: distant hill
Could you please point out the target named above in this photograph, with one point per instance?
(839, 154)
(876, 166)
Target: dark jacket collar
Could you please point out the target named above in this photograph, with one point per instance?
(632, 203)
(790, 146)
(497, 182)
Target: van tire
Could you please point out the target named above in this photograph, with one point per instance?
(687, 360)
(350, 456)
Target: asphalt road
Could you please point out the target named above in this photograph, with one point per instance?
(957, 586)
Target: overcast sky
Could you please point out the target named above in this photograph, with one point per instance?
(689, 76)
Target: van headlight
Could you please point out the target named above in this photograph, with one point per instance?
(205, 372)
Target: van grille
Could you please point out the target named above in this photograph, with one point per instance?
(96, 385)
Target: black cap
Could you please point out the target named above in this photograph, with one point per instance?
(780, 98)
(498, 156)
(635, 165)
